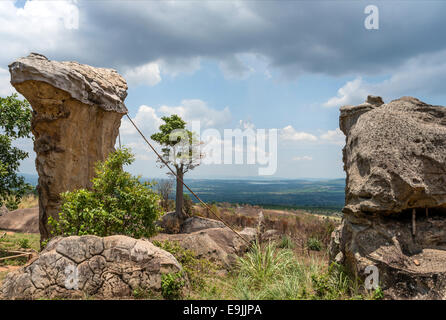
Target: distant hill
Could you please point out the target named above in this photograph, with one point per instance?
(297, 193)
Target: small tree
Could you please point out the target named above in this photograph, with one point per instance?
(15, 123)
(164, 189)
(118, 203)
(180, 148)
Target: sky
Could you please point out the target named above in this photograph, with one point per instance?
(285, 65)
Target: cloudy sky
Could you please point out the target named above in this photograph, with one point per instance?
(287, 65)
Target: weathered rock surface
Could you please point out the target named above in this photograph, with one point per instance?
(21, 220)
(395, 162)
(194, 224)
(76, 119)
(73, 267)
(219, 245)
(408, 267)
(395, 156)
(3, 210)
(171, 223)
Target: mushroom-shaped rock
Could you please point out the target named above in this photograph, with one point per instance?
(77, 114)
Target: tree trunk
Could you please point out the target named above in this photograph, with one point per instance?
(179, 194)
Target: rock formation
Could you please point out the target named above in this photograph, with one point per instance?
(395, 202)
(75, 267)
(76, 119)
(219, 245)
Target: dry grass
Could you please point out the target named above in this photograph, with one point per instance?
(29, 201)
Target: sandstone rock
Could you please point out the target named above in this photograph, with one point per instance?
(3, 210)
(219, 245)
(395, 156)
(395, 162)
(76, 118)
(193, 224)
(389, 245)
(73, 267)
(21, 220)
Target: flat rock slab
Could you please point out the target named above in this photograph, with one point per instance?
(21, 220)
(73, 267)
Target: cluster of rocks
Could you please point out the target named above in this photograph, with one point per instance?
(395, 202)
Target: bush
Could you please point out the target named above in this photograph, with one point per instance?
(314, 244)
(286, 243)
(171, 285)
(195, 268)
(334, 284)
(118, 203)
(24, 243)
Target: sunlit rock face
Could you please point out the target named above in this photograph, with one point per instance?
(395, 196)
(77, 114)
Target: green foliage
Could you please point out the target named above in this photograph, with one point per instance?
(118, 203)
(15, 123)
(24, 243)
(270, 273)
(314, 244)
(172, 285)
(378, 294)
(286, 243)
(262, 264)
(196, 269)
(333, 284)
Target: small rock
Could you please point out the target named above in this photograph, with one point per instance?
(416, 262)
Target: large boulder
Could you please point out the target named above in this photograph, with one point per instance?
(75, 267)
(219, 245)
(193, 224)
(395, 202)
(21, 220)
(395, 156)
(77, 114)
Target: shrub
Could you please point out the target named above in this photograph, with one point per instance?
(314, 244)
(263, 264)
(118, 203)
(195, 268)
(333, 284)
(24, 243)
(172, 285)
(286, 243)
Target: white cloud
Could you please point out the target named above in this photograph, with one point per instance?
(303, 158)
(147, 74)
(198, 110)
(333, 136)
(289, 133)
(350, 93)
(5, 86)
(425, 74)
(40, 26)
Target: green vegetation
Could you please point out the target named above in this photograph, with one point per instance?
(171, 285)
(197, 270)
(314, 244)
(15, 123)
(180, 149)
(118, 203)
